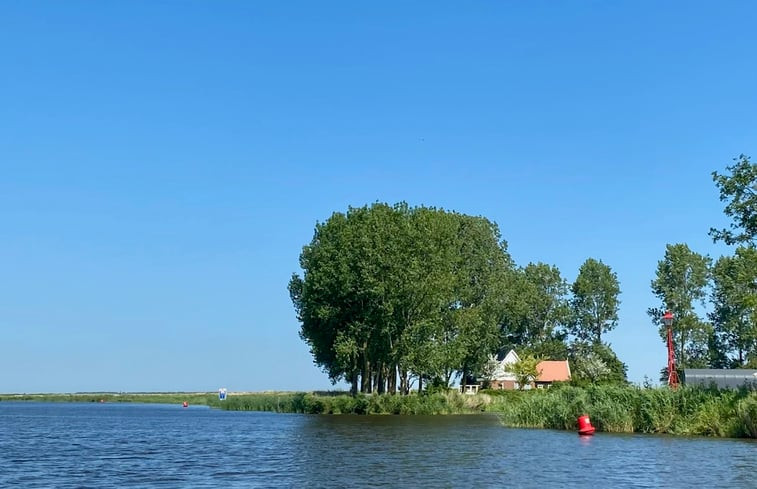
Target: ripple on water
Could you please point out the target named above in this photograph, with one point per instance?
(130, 446)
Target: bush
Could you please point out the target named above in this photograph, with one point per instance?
(657, 411)
(746, 412)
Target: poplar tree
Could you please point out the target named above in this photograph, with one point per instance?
(734, 314)
(739, 190)
(680, 284)
(595, 301)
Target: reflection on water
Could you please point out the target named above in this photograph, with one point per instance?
(585, 440)
(109, 445)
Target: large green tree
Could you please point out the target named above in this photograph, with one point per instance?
(595, 362)
(595, 301)
(734, 315)
(739, 190)
(680, 284)
(390, 292)
(536, 316)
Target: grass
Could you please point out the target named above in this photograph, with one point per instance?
(628, 409)
(195, 398)
(342, 403)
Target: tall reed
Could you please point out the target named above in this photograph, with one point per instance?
(627, 409)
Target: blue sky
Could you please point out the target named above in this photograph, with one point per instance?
(164, 162)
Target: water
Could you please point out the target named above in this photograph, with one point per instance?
(149, 446)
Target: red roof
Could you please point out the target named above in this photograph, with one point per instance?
(553, 371)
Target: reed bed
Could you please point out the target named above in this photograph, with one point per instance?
(310, 403)
(628, 409)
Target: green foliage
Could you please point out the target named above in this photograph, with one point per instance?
(537, 311)
(739, 189)
(657, 411)
(595, 301)
(746, 410)
(389, 290)
(553, 348)
(525, 370)
(449, 402)
(680, 283)
(734, 316)
(595, 363)
(192, 398)
(626, 409)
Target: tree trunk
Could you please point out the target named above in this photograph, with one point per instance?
(391, 380)
(353, 386)
(420, 384)
(380, 379)
(404, 384)
(365, 386)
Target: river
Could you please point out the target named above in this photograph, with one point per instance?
(167, 446)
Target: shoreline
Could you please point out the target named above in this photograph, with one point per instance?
(612, 408)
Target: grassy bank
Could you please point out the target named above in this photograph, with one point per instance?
(194, 398)
(288, 402)
(620, 409)
(342, 403)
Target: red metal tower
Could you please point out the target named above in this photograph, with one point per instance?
(667, 318)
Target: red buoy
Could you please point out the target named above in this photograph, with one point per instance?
(584, 425)
(185, 404)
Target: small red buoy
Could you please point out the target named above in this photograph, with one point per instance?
(185, 404)
(584, 425)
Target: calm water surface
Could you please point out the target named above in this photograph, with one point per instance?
(147, 446)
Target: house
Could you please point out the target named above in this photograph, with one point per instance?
(549, 371)
(500, 378)
(552, 371)
(721, 378)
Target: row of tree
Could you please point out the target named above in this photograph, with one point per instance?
(715, 302)
(391, 295)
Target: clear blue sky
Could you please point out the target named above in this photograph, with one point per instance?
(162, 163)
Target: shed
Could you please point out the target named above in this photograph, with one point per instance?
(721, 378)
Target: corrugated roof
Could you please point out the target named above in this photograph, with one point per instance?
(723, 378)
(553, 371)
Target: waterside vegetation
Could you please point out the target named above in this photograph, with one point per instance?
(629, 409)
(612, 408)
(199, 398)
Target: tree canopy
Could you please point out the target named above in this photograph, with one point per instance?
(400, 294)
(392, 292)
(391, 295)
(680, 284)
(739, 190)
(734, 315)
(726, 337)
(595, 301)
